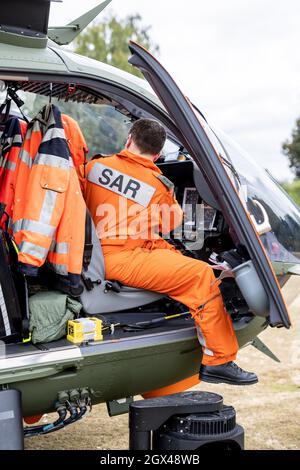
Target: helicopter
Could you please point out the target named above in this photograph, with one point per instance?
(150, 345)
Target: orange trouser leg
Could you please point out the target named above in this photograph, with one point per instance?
(186, 280)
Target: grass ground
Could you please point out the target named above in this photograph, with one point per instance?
(269, 411)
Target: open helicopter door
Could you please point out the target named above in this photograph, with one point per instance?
(195, 139)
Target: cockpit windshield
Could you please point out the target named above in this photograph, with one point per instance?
(274, 214)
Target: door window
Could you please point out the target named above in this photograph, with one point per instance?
(104, 127)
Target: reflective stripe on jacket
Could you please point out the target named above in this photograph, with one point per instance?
(49, 210)
(129, 199)
(11, 142)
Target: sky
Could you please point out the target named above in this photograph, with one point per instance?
(238, 60)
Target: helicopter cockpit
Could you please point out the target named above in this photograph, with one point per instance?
(105, 119)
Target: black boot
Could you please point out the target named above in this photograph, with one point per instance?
(229, 373)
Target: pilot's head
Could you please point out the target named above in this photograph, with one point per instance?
(146, 138)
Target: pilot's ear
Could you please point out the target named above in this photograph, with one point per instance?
(129, 141)
(156, 157)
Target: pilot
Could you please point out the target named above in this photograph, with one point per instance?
(132, 203)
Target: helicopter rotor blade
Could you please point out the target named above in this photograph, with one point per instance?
(64, 35)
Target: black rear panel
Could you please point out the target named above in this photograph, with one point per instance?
(10, 313)
(28, 16)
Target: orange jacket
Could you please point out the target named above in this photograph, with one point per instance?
(75, 139)
(11, 143)
(49, 211)
(129, 198)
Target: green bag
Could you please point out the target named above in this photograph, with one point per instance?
(49, 315)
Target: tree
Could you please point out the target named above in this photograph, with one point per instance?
(108, 41)
(292, 149)
(293, 189)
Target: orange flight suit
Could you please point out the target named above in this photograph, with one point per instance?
(137, 256)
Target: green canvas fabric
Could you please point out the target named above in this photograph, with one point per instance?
(49, 314)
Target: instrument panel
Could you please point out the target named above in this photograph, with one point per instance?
(197, 214)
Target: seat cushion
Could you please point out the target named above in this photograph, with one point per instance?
(98, 300)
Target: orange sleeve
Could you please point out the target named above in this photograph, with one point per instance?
(81, 172)
(76, 141)
(171, 214)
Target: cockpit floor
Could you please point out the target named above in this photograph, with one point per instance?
(111, 335)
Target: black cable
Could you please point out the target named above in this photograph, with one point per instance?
(143, 325)
(82, 412)
(60, 423)
(62, 414)
(46, 428)
(72, 408)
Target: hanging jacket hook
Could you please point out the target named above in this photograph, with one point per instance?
(11, 95)
(5, 109)
(50, 94)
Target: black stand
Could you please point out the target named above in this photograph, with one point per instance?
(183, 421)
(11, 421)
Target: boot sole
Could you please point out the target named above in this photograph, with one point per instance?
(219, 380)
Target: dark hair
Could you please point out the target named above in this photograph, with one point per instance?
(148, 135)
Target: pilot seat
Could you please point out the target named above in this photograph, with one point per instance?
(101, 295)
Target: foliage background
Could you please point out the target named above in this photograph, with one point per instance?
(291, 148)
(293, 189)
(107, 40)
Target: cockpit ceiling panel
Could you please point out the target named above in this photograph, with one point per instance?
(64, 92)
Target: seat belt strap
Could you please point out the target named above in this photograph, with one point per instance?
(88, 245)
